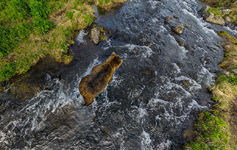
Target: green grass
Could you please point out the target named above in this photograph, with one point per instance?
(212, 133)
(216, 129)
(231, 79)
(14, 11)
(69, 14)
(7, 71)
(32, 29)
(11, 37)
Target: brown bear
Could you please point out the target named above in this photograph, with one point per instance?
(94, 83)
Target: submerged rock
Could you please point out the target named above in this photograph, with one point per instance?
(181, 43)
(167, 20)
(95, 35)
(93, 84)
(178, 29)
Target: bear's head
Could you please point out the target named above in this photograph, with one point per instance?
(115, 60)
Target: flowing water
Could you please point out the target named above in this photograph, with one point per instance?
(152, 99)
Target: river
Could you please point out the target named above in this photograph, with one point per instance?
(154, 95)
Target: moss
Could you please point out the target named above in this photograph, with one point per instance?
(102, 37)
(215, 11)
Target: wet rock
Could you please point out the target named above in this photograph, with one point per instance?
(167, 20)
(210, 17)
(95, 35)
(25, 86)
(216, 19)
(225, 12)
(204, 10)
(189, 134)
(228, 19)
(179, 41)
(93, 84)
(178, 29)
(234, 71)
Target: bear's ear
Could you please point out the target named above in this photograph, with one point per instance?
(113, 53)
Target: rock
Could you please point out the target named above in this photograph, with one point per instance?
(179, 42)
(204, 10)
(26, 85)
(215, 19)
(178, 29)
(234, 71)
(228, 19)
(210, 17)
(95, 35)
(93, 84)
(225, 12)
(167, 20)
(226, 73)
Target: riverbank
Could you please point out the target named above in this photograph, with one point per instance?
(42, 29)
(225, 8)
(216, 128)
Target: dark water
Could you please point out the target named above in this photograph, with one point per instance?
(154, 95)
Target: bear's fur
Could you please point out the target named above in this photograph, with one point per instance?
(94, 83)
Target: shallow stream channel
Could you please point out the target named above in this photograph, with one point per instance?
(154, 95)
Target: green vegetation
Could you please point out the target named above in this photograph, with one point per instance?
(212, 133)
(11, 37)
(215, 11)
(33, 29)
(222, 5)
(107, 5)
(218, 3)
(7, 71)
(13, 11)
(69, 14)
(217, 129)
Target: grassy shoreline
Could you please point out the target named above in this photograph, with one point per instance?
(217, 128)
(37, 28)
